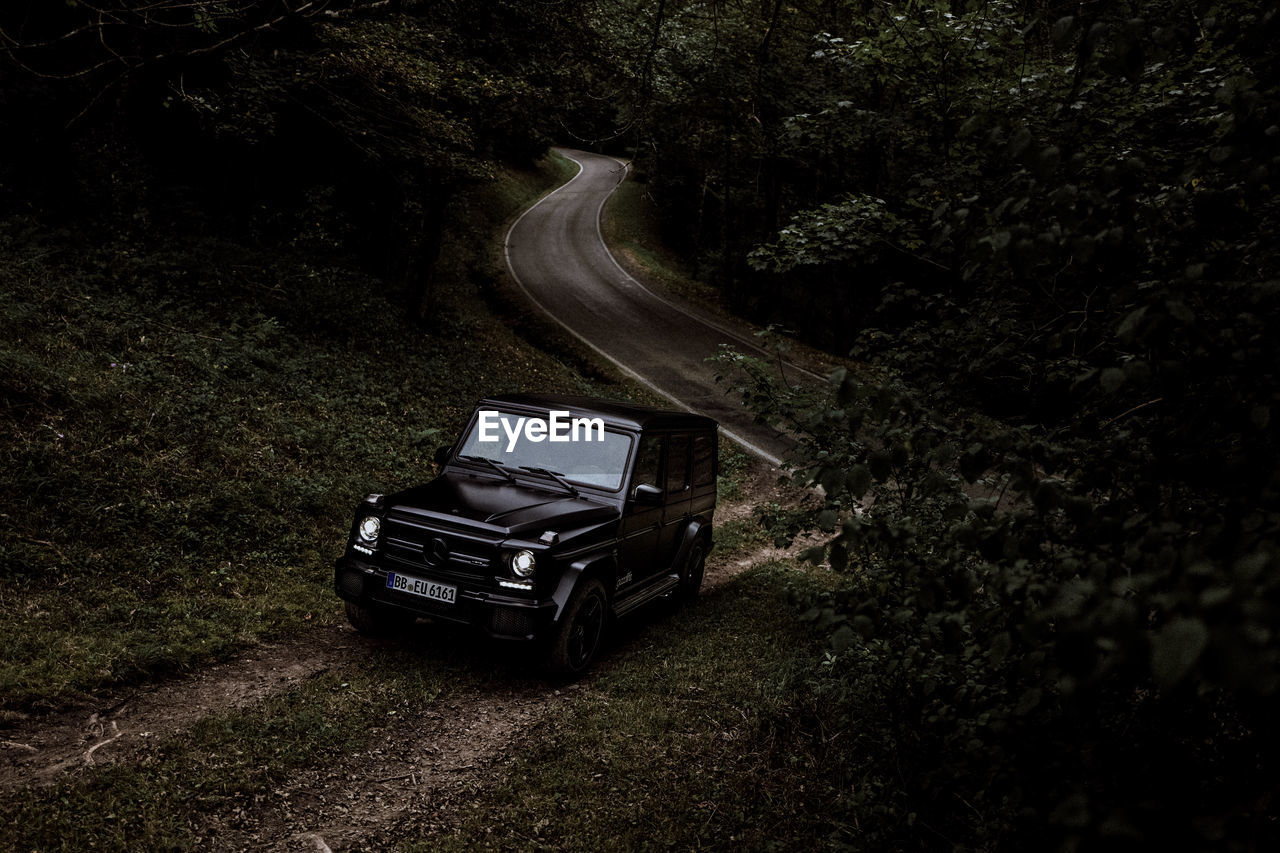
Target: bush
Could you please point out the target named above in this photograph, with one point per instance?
(1038, 639)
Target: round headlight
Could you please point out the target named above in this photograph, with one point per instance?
(370, 527)
(522, 563)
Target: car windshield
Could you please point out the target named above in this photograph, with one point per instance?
(577, 448)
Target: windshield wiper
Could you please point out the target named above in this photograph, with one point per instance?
(494, 465)
(559, 478)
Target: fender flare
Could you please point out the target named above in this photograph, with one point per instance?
(697, 528)
(601, 564)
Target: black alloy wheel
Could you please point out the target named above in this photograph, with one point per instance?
(581, 629)
(695, 565)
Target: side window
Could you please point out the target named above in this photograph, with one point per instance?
(647, 461)
(704, 459)
(677, 463)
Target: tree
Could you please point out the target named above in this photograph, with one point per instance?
(336, 126)
(1073, 516)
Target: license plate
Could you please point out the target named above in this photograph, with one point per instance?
(426, 589)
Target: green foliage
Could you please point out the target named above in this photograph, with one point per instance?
(1015, 609)
(1059, 521)
(856, 229)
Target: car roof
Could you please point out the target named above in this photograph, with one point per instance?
(612, 412)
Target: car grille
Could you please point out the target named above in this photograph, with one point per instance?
(511, 621)
(443, 553)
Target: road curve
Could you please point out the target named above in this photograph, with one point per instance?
(557, 255)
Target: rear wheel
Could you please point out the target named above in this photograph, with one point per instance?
(377, 621)
(581, 630)
(695, 565)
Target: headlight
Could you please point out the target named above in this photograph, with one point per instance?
(370, 527)
(522, 563)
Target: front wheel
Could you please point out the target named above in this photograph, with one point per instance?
(581, 630)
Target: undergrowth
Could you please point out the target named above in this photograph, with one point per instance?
(185, 423)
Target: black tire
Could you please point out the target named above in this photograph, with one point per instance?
(581, 631)
(695, 565)
(377, 621)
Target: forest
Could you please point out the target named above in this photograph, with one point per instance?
(1040, 235)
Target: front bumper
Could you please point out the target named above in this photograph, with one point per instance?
(502, 616)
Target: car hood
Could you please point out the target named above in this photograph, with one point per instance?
(504, 507)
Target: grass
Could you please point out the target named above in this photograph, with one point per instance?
(692, 736)
(634, 232)
(186, 424)
(740, 537)
(164, 800)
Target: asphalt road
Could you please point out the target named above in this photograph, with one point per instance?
(557, 255)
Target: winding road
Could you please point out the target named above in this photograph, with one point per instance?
(556, 253)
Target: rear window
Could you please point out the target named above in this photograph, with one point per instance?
(704, 460)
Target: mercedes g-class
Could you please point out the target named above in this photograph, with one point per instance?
(550, 516)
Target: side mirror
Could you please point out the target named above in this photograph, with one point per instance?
(647, 494)
(441, 455)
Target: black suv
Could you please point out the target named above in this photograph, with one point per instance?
(551, 515)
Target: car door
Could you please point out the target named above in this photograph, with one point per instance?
(641, 527)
